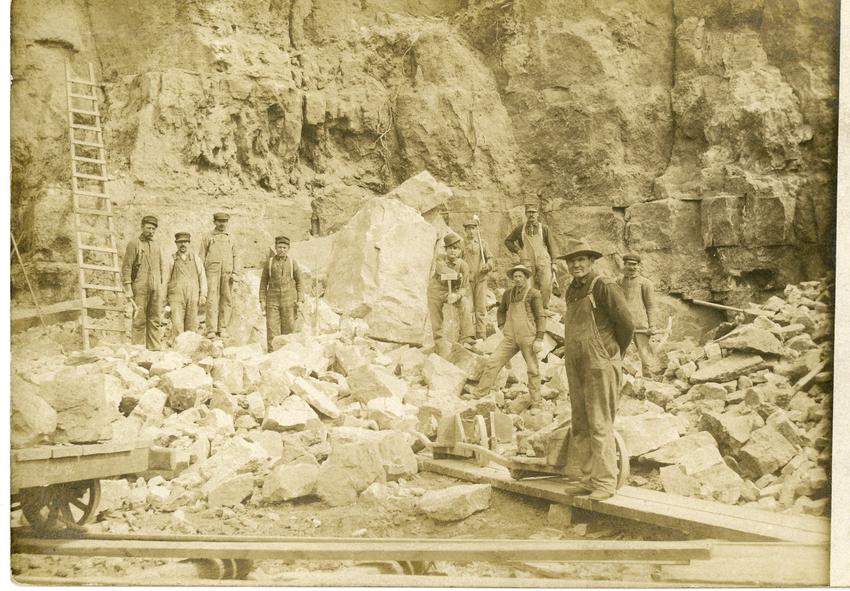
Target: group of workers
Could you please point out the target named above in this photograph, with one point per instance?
(603, 317)
(188, 280)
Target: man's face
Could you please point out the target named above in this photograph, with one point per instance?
(470, 232)
(580, 265)
(148, 229)
(281, 248)
(182, 247)
(453, 251)
(532, 215)
(631, 268)
(220, 225)
(519, 278)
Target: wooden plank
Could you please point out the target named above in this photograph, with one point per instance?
(69, 451)
(695, 516)
(87, 143)
(71, 469)
(104, 307)
(89, 160)
(91, 177)
(85, 112)
(30, 454)
(97, 248)
(90, 211)
(92, 267)
(755, 565)
(456, 550)
(85, 82)
(82, 96)
(102, 287)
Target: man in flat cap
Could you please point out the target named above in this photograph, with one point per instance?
(142, 272)
(187, 286)
(523, 322)
(449, 284)
(221, 264)
(532, 242)
(598, 328)
(477, 256)
(640, 297)
(280, 291)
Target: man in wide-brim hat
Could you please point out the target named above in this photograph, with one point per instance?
(598, 328)
(523, 322)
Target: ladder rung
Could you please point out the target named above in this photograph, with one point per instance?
(85, 112)
(102, 287)
(82, 96)
(92, 177)
(89, 144)
(90, 194)
(85, 211)
(98, 232)
(89, 160)
(103, 307)
(86, 127)
(87, 82)
(98, 248)
(99, 267)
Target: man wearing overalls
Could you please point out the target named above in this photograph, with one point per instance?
(187, 286)
(453, 292)
(532, 242)
(598, 328)
(477, 256)
(141, 273)
(522, 320)
(218, 253)
(640, 296)
(280, 291)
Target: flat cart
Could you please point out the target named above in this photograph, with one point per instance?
(59, 485)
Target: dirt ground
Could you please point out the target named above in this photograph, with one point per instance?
(510, 516)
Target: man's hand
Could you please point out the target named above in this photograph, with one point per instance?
(202, 300)
(486, 268)
(452, 298)
(537, 346)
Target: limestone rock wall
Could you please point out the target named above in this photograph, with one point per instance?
(701, 133)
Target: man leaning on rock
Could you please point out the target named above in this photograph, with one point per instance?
(142, 272)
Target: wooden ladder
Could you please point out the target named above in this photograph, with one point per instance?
(97, 252)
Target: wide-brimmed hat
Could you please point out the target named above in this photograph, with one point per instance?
(522, 268)
(451, 240)
(575, 247)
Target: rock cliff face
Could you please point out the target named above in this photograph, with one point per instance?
(700, 133)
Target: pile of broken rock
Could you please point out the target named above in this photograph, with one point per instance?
(744, 418)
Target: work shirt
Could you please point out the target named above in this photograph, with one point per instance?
(514, 241)
(219, 247)
(472, 255)
(611, 312)
(146, 256)
(533, 307)
(280, 273)
(640, 297)
(186, 268)
(439, 286)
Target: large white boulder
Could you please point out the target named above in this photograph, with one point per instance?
(379, 269)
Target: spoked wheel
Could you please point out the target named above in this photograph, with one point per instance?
(622, 461)
(69, 504)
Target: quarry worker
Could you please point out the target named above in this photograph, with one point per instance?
(477, 256)
(640, 298)
(280, 291)
(523, 322)
(598, 328)
(532, 242)
(454, 291)
(142, 272)
(221, 264)
(187, 286)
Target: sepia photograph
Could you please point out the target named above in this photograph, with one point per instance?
(427, 293)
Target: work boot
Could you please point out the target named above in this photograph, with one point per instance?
(576, 489)
(599, 495)
(534, 391)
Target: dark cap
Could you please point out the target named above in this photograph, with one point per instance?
(150, 219)
(451, 240)
(281, 240)
(473, 221)
(221, 216)
(631, 256)
(182, 237)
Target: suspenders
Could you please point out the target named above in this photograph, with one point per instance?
(288, 260)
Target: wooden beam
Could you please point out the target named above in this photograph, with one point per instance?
(374, 549)
(696, 516)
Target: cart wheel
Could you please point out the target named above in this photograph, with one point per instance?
(622, 461)
(68, 504)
